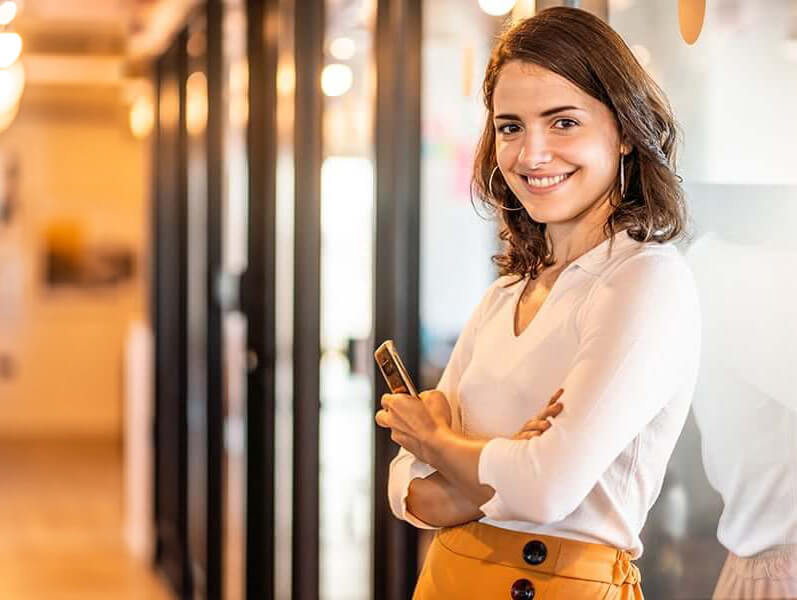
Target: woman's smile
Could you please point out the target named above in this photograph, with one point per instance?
(546, 184)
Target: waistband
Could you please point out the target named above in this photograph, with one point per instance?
(544, 554)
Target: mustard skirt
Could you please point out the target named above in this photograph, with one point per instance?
(475, 561)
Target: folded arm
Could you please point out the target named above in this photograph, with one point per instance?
(637, 348)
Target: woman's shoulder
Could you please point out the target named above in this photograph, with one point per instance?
(646, 260)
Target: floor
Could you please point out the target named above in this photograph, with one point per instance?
(61, 526)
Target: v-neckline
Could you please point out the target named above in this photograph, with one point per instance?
(516, 305)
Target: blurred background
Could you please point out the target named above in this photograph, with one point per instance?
(211, 212)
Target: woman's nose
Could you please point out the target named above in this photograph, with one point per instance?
(534, 152)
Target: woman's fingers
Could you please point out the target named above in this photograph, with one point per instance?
(556, 396)
(549, 412)
(552, 410)
(536, 425)
(382, 418)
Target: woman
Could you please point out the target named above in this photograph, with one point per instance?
(578, 155)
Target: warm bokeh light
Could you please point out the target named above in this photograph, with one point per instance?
(524, 9)
(12, 82)
(8, 10)
(336, 79)
(342, 48)
(10, 49)
(196, 105)
(239, 93)
(142, 117)
(8, 116)
(496, 8)
(286, 78)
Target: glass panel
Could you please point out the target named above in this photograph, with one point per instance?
(234, 253)
(283, 454)
(196, 94)
(733, 93)
(457, 40)
(347, 222)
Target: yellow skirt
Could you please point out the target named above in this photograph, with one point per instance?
(475, 561)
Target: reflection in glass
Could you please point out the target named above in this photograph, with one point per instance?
(742, 192)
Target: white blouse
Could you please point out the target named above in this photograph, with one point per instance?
(620, 333)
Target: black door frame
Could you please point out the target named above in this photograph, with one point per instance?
(259, 297)
(206, 395)
(169, 317)
(309, 31)
(397, 262)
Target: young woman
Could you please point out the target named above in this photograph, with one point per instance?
(578, 156)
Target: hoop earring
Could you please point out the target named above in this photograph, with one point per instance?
(492, 195)
(622, 177)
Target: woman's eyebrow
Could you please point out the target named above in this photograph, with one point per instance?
(545, 113)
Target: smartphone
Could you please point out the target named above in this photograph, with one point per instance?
(393, 370)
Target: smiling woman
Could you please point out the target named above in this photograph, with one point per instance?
(578, 155)
(575, 127)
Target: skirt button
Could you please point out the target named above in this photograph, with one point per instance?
(535, 552)
(522, 589)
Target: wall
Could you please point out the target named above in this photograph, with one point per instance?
(77, 160)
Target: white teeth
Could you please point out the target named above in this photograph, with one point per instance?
(545, 181)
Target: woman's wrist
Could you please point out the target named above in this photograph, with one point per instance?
(457, 458)
(437, 502)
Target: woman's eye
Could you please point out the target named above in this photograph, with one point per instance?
(504, 129)
(565, 124)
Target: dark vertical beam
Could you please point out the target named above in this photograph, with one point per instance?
(215, 345)
(155, 292)
(397, 262)
(171, 334)
(309, 40)
(259, 298)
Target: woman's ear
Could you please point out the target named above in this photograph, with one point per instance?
(625, 148)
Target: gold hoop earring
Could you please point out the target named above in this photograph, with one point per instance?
(492, 195)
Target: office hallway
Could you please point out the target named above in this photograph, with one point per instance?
(61, 525)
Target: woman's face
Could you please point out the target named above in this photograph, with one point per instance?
(557, 147)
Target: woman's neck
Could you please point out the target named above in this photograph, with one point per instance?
(571, 241)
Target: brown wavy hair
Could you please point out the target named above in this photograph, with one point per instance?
(583, 49)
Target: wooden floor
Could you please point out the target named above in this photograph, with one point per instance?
(61, 524)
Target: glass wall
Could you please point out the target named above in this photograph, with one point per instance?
(347, 238)
(457, 239)
(233, 263)
(733, 93)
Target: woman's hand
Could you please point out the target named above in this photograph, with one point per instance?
(540, 424)
(414, 421)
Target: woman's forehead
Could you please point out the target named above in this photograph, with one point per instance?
(530, 88)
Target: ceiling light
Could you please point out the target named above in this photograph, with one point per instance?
(342, 48)
(12, 82)
(496, 8)
(10, 49)
(142, 117)
(336, 79)
(8, 10)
